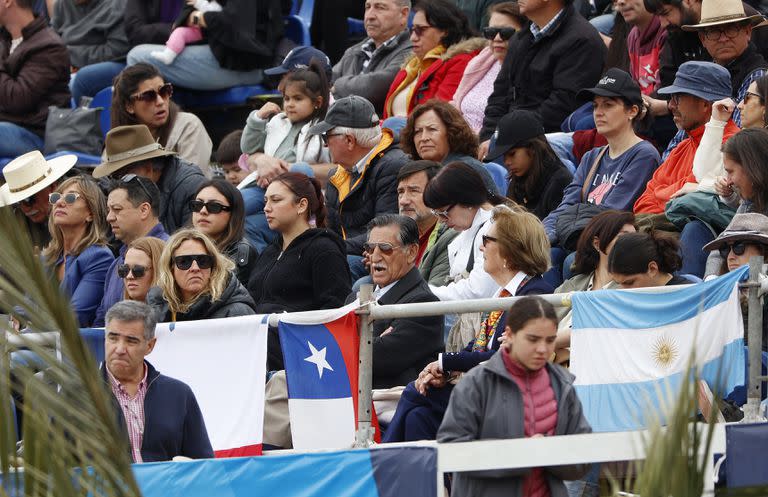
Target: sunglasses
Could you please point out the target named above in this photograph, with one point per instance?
(490, 33)
(150, 96)
(738, 249)
(386, 248)
(210, 206)
(124, 269)
(27, 202)
(419, 30)
(442, 214)
(135, 177)
(487, 239)
(184, 262)
(69, 198)
(326, 136)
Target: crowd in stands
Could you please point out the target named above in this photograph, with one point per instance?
(462, 149)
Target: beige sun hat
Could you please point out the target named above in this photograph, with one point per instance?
(717, 12)
(30, 173)
(125, 145)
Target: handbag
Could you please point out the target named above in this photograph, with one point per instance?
(703, 206)
(572, 221)
(73, 130)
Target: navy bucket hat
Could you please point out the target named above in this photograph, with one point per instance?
(705, 80)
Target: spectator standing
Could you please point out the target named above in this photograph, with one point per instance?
(170, 423)
(93, 31)
(242, 39)
(30, 178)
(476, 84)
(548, 61)
(133, 207)
(368, 68)
(78, 255)
(133, 150)
(195, 281)
(305, 267)
(442, 47)
(139, 271)
(34, 72)
(219, 212)
(141, 96)
(537, 177)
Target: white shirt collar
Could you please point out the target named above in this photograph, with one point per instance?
(379, 292)
(514, 283)
(361, 163)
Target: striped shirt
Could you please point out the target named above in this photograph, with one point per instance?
(539, 33)
(133, 411)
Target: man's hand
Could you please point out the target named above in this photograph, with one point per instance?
(482, 151)
(722, 110)
(656, 106)
(268, 110)
(267, 166)
(687, 188)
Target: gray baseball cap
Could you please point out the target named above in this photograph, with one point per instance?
(350, 112)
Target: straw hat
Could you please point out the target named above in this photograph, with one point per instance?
(717, 12)
(749, 227)
(30, 173)
(126, 145)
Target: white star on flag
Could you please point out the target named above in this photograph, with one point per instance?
(318, 359)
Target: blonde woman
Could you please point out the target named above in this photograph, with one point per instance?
(195, 281)
(78, 254)
(138, 271)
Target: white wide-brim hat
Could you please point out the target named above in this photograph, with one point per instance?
(30, 173)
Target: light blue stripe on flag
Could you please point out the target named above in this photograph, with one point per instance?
(637, 310)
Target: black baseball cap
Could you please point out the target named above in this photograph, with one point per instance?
(351, 112)
(615, 83)
(513, 130)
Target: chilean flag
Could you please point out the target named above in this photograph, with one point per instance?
(321, 367)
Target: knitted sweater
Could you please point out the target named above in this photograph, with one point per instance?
(539, 412)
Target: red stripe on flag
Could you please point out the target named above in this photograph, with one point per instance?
(248, 450)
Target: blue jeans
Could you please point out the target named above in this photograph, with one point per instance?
(356, 267)
(604, 23)
(694, 236)
(195, 68)
(588, 486)
(16, 140)
(90, 80)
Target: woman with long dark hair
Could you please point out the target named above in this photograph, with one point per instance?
(305, 267)
(640, 260)
(461, 200)
(219, 212)
(537, 177)
(142, 96)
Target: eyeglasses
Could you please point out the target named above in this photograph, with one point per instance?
(752, 94)
(730, 31)
(738, 249)
(443, 214)
(135, 177)
(386, 248)
(211, 206)
(675, 98)
(419, 30)
(326, 136)
(487, 239)
(490, 33)
(27, 202)
(69, 198)
(138, 270)
(150, 96)
(184, 262)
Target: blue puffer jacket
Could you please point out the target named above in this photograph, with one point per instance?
(84, 277)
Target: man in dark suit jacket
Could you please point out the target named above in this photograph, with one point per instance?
(402, 346)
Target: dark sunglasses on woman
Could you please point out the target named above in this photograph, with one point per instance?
(149, 96)
(490, 33)
(184, 262)
(69, 198)
(738, 249)
(211, 206)
(137, 270)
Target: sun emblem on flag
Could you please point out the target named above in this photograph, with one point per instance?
(665, 351)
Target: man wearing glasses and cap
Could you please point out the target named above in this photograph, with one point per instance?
(29, 179)
(133, 207)
(132, 150)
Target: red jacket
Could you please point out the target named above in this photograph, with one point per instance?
(676, 171)
(440, 79)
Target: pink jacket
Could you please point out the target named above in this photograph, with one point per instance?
(474, 72)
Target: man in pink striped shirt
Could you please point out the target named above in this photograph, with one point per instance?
(160, 414)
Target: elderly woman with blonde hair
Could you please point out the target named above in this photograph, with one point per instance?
(196, 281)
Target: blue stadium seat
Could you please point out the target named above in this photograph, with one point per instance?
(746, 454)
(103, 99)
(499, 175)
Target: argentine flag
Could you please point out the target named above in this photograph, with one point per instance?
(628, 348)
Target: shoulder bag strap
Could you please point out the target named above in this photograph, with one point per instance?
(591, 173)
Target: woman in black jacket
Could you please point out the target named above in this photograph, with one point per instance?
(537, 177)
(218, 211)
(305, 267)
